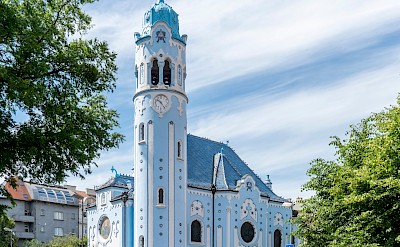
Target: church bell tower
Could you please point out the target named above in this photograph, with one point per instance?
(160, 130)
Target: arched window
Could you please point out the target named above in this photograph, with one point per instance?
(277, 238)
(195, 231)
(141, 132)
(180, 149)
(160, 196)
(141, 241)
(167, 73)
(154, 72)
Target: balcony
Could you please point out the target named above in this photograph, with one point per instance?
(25, 235)
(23, 218)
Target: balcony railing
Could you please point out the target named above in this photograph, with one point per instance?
(24, 218)
(25, 235)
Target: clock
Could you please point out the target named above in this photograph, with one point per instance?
(161, 104)
(247, 232)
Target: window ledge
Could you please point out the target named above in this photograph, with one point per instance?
(196, 243)
(142, 142)
(160, 206)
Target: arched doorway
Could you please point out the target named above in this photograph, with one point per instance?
(277, 238)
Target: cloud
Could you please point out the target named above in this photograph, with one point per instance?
(308, 110)
(230, 40)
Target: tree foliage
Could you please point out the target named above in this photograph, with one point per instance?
(65, 241)
(357, 196)
(54, 118)
(5, 236)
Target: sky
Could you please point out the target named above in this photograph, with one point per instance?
(276, 79)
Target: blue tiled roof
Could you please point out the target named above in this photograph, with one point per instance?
(200, 152)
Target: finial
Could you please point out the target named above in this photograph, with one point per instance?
(114, 170)
(222, 151)
(160, 1)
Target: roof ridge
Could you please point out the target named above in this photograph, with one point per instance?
(234, 168)
(208, 139)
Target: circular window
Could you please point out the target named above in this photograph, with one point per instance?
(247, 232)
(104, 227)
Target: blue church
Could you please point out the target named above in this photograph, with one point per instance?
(186, 190)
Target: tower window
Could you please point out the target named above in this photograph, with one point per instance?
(154, 72)
(141, 241)
(180, 156)
(195, 231)
(141, 132)
(160, 197)
(167, 73)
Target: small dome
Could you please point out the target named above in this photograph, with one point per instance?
(161, 11)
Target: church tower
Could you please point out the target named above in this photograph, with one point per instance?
(160, 137)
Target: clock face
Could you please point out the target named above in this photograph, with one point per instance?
(247, 232)
(161, 103)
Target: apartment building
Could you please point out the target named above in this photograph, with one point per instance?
(43, 212)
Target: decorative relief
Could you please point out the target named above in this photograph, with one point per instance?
(180, 108)
(92, 232)
(160, 35)
(248, 208)
(116, 228)
(139, 105)
(278, 219)
(141, 71)
(197, 208)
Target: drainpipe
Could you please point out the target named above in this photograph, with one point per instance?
(124, 199)
(213, 190)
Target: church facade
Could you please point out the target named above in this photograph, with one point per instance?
(186, 190)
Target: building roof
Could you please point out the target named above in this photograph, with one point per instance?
(161, 11)
(120, 181)
(18, 193)
(27, 191)
(200, 155)
(52, 194)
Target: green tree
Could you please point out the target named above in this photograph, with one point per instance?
(65, 241)
(34, 243)
(357, 196)
(5, 236)
(54, 118)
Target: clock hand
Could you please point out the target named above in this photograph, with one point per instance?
(160, 103)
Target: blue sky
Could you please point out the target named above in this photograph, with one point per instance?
(274, 78)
